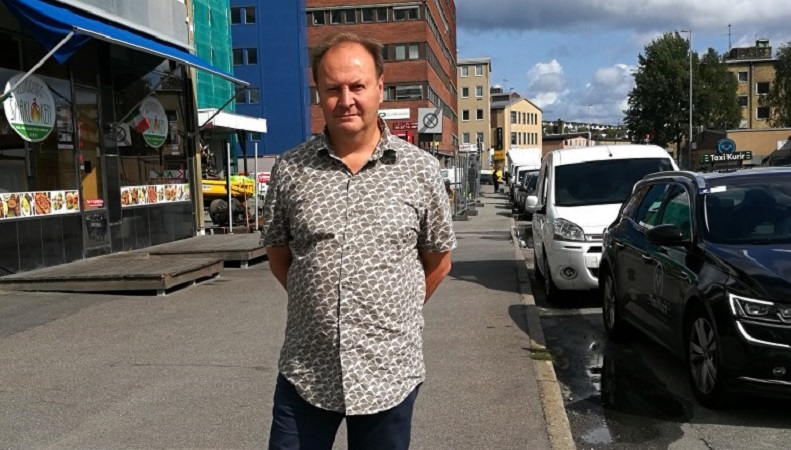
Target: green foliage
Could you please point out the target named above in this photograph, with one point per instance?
(716, 103)
(779, 98)
(659, 102)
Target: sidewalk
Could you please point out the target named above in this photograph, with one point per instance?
(481, 389)
(196, 369)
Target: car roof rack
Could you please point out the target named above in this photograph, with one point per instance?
(695, 177)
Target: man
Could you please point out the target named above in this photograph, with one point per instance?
(496, 178)
(358, 231)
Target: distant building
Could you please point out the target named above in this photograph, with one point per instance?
(473, 81)
(754, 68)
(420, 63)
(270, 52)
(516, 123)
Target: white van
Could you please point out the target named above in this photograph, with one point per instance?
(580, 191)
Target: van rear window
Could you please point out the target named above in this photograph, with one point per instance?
(603, 182)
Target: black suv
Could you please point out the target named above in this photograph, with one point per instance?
(701, 263)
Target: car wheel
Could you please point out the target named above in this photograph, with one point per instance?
(703, 359)
(550, 290)
(613, 323)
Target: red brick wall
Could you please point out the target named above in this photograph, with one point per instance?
(402, 71)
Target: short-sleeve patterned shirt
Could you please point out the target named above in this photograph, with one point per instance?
(356, 286)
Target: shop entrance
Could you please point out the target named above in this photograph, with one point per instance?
(96, 230)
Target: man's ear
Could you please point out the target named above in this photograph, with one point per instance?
(381, 86)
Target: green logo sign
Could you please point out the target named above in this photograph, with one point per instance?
(30, 109)
(154, 113)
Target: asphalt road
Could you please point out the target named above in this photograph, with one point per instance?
(653, 407)
(197, 368)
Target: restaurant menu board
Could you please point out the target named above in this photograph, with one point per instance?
(154, 193)
(34, 204)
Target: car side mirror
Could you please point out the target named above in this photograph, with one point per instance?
(667, 234)
(530, 203)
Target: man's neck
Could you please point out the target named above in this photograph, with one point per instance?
(361, 144)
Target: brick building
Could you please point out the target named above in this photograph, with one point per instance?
(420, 61)
(754, 68)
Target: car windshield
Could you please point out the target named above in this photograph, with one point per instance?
(749, 211)
(603, 182)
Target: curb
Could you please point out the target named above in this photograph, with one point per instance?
(558, 427)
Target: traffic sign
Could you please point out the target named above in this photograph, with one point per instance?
(429, 120)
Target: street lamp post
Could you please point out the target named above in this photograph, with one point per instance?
(689, 139)
(589, 126)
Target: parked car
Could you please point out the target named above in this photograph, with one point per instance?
(701, 264)
(526, 188)
(580, 191)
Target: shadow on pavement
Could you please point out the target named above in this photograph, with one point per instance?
(497, 275)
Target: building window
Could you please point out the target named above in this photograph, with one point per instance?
(743, 101)
(367, 15)
(336, 17)
(478, 137)
(400, 52)
(252, 56)
(255, 136)
(239, 56)
(513, 139)
(465, 71)
(762, 88)
(742, 76)
(479, 114)
(465, 138)
(479, 91)
(478, 70)
(254, 96)
(762, 113)
(350, 16)
(465, 115)
(318, 18)
(513, 116)
(236, 16)
(413, 92)
(381, 14)
(409, 13)
(414, 51)
(249, 14)
(465, 92)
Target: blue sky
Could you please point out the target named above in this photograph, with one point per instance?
(567, 54)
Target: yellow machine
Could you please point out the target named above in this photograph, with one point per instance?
(215, 197)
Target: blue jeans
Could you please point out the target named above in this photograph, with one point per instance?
(296, 424)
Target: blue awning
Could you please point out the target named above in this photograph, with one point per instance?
(50, 24)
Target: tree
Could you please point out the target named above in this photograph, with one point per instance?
(779, 98)
(715, 100)
(658, 104)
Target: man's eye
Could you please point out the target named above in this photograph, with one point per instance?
(358, 87)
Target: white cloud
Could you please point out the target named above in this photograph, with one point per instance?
(546, 84)
(771, 17)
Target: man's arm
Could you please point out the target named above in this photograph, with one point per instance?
(436, 266)
(279, 262)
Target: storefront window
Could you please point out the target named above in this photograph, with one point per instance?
(151, 133)
(35, 170)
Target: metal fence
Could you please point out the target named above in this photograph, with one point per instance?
(465, 182)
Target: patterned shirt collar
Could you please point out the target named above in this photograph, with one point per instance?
(386, 144)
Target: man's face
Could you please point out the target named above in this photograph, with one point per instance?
(349, 91)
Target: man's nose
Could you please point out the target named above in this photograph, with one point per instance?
(346, 98)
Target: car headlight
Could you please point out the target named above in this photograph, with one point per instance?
(750, 308)
(568, 231)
